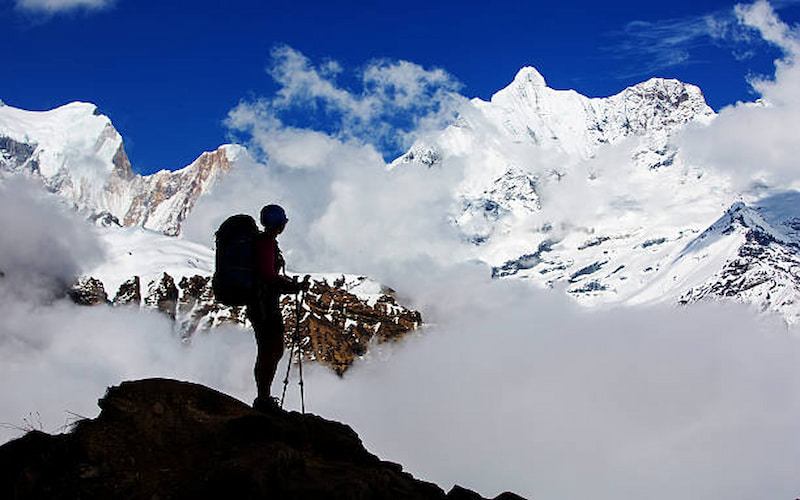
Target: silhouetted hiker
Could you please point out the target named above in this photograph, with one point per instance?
(263, 308)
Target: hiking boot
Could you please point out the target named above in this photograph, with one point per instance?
(266, 404)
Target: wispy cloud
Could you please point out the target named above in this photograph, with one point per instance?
(385, 103)
(667, 43)
(659, 45)
(62, 6)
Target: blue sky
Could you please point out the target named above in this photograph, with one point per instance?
(168, 73)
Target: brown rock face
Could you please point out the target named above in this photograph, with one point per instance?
(166, 439)
(122, 165)
(197, 309)
(129, 293)
(179, 190)
(163, 295)
(336, 326)
(88, 291)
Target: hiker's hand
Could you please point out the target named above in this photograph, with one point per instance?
(306, 284)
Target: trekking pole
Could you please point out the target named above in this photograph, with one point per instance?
(296, 343)
(288, 368)
(298, 300)
(291, 353)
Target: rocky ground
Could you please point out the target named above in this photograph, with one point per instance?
(165, 439)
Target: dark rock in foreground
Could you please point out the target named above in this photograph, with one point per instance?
(166, 439)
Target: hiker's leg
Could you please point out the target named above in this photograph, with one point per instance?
(269, 342)
(255, 313)
(273, 347)
(263, 381)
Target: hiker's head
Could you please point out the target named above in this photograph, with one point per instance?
(273, 218)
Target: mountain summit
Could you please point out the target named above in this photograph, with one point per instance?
(597, 195)
(78, 154)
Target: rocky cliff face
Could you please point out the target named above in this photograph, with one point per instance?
(163, 200)
(337, 326)
(161, 438)
(78, 154)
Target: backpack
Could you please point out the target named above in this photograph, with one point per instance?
(233, 282)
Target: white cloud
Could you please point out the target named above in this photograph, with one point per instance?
(45, 245)
(666, 43)
(507, 389)
(347, 211)
(514, 390)
(762, 17)
(395, 101)
(757, 144)
(302, 83)
(58, 357)
(60, 6)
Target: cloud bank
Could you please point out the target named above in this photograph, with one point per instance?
(44, 247)
(57, 357)
(756, 143)
(523, 391)
(507, 387)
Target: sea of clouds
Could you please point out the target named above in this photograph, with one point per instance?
(507, 387)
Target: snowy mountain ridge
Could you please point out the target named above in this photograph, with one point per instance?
(595, 194)
(529, 112)
(78, 154)
(554, 188)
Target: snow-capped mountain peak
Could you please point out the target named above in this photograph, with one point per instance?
(530, 76)
(72, 146)
(78, 154)
(532, 156)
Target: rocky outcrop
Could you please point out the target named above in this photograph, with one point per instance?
(337, 326)
(167, 439)
(88, 291)
(15, 156)
(163, 295)
(129, 293)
